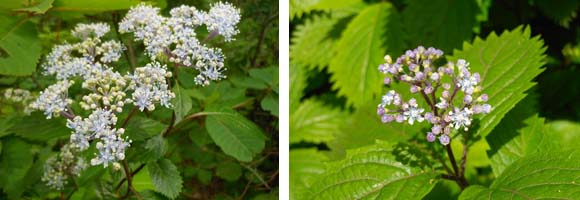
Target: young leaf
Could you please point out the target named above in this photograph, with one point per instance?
(305, 166)
(315, 122)
(234, 134)
(182, 103)
(544, 175)
(298, 78)
(507, 64)
(440, 23)
(360, 51)
(166, 178)
(270, 103)
(19, 46)
(371, 173)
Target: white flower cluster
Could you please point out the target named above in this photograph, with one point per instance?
(150, 86)
(425, 79)
(57, 169)
(98, 126)
(54, 99)
(175, 36)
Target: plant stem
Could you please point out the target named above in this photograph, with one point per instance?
(459, 178)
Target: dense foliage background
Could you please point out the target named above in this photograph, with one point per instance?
(526, 50)
(229, 154)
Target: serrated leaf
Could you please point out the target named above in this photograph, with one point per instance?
(441, 23)
(268, 75)
(360, 50)
(154, 148)
(19, 46)
(328, 5)
(313, 42)
(166, 178)
(315, 122)
(15, 161)
(229, 171)
(234, 134)
(544, 175)
(142, 181)
(141, 128)
(372, 173)
(300, 7)
(39, 8)
(507, 64)
(305, 166)
(562, 12)
(221, 94)
(182, 103)
(351, 135)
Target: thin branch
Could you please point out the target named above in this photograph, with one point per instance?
(133, 111)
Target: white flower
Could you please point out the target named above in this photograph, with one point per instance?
(413, 112)
(150, 86)
(84, 31)
(223, 18)
(442, 103)
(460, 118)
(53, 99)
(110, 51)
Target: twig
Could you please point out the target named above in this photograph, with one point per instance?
(133, 111)
(132, 174)
(262, 37)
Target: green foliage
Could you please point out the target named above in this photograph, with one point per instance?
(19, 46)
(549, 175)
(359, 52)
(182, 103)
(234, 134)
(507, 63)
(305, 166)
(562, 12)
(15, 161)
(165, 177)
(372, 173)
(40, 8)
(314, 122)
(442, 24)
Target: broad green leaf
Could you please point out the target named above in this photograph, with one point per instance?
(270, 103)
(364, 127)
(181, 103)
(229, 171)
(313, 42)
(328, 5)
(371, 173)
(562, 12)
(152, 195)
(315, 122)
(234, 134)
(442, 24)
(39, 8)
(543, 175)
(305, 166)
(6, 122)
(222, 94)
(204, 176)
(476, 154)
(507, 63)
(43, 129)
(153, 149)
(19, 46)
(92, 6)
(15, 161)
(142, 181)
(528, 140)
(141, 128)
(373, 32)
(166, 178)
(268, 75)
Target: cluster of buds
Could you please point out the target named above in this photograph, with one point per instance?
(19, 97)
(150, 86)
(449, 109)
(58, 168)
(175, 37)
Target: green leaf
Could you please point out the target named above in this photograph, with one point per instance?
(298, 78)
(166, 178)
(268, 75)
(543, 175)
(152, 195)
(305, 166)
(153, 149)
(39, 8)
(204, 176)
(141, 128)
(222, 94)
(6, 122)
(507, 64)
(142, 181)
(360, 50)
(315, 122)
(562, 12)
(182, 103)
(234, 134)
(15, 161)
(43, 129)
(352, 135)
(19, 46)
(92, 6)
(328, 5)
(300, 7)
(372, 173)
(313, 42)
(270, 103)
(229, 171)
(442, 24)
